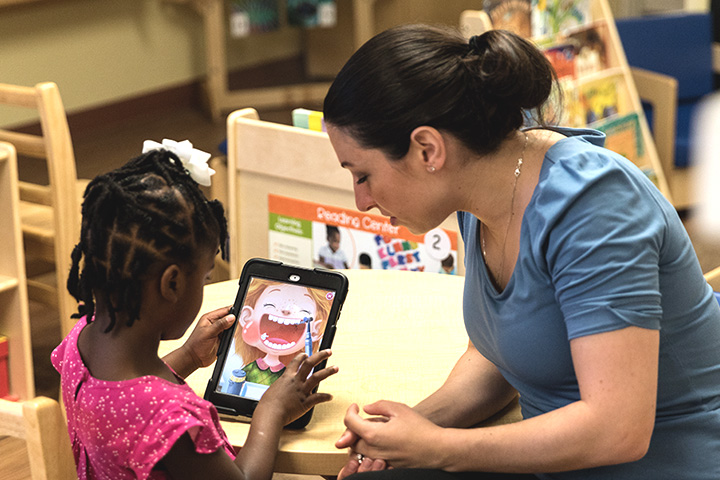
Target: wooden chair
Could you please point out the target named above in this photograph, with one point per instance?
(50, 214)
(40, 423)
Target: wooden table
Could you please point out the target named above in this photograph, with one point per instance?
(398, 336)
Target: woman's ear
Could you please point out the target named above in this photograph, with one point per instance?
(429, 145)
(171, 283)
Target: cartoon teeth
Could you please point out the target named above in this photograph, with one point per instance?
(285, 320)
(275, 346)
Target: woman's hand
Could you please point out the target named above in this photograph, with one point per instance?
(356, 461)
(200, 349)
(291, 395)
(395, 433)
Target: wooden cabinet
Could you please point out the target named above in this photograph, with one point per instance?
(14, 316)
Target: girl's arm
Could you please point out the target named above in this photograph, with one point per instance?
(200, 349)
(611, 423)
(287, 399)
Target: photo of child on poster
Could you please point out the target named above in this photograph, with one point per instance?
(316, 235)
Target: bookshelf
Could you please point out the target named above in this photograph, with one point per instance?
(14, 315)
(598, 90)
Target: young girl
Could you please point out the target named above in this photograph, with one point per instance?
(147, 246)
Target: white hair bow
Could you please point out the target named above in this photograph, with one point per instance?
(195, 161)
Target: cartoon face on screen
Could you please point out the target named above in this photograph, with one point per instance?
(273, 328)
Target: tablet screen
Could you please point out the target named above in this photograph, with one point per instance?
(276, 321)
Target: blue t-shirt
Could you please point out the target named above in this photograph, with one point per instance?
(601, 249)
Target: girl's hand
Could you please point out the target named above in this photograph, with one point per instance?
(291, 395)
(203, 342)
(200, 349)
(395, 433)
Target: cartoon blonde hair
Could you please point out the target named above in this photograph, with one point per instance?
(248, 353)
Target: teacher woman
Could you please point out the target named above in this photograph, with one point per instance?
(582, 293)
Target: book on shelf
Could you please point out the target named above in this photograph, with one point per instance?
(551, 17)
(579, 52)
(623, 136)
(600, 98)
(564, 106)
(512, 15)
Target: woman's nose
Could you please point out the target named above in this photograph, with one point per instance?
(363, 199)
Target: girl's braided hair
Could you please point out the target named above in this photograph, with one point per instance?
(140, 217)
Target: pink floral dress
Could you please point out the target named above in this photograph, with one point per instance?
(122, 429)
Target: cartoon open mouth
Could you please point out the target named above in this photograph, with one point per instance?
(281, 333)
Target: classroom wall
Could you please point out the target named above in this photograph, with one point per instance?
(104, 51)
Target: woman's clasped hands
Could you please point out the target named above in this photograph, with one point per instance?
(394, 436)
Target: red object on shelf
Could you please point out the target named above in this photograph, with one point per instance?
(4, 380)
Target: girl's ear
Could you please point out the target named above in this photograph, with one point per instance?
(171, 283)
(429, 145)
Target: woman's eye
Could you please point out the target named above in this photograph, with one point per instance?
(362, 179)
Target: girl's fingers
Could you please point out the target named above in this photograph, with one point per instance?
(311, 362)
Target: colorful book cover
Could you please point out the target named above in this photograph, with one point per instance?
(600, 99)
(580, 53)
(312, 13)
(590, 49)
(253, 16)
(550, 17)
(315, 235)
(564, 106)
(512, 15)
(624, 137)
(562, 58)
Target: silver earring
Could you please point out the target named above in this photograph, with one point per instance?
(431, 169)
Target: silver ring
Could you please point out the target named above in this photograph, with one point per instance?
(360, 458)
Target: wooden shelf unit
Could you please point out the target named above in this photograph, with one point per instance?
(14, 313)
(613, 68)
(628, 101)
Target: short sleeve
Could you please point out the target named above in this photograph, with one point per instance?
(168, 424)
(604, 247)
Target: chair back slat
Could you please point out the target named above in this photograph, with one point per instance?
(25, 143)
(18, 96)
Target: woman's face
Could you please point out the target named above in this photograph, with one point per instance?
(396, 188)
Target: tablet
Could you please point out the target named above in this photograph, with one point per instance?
(281, 311)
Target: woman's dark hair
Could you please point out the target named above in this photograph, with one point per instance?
(143, 216)
(478, 91)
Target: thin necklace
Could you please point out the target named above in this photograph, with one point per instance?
(518, 171)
